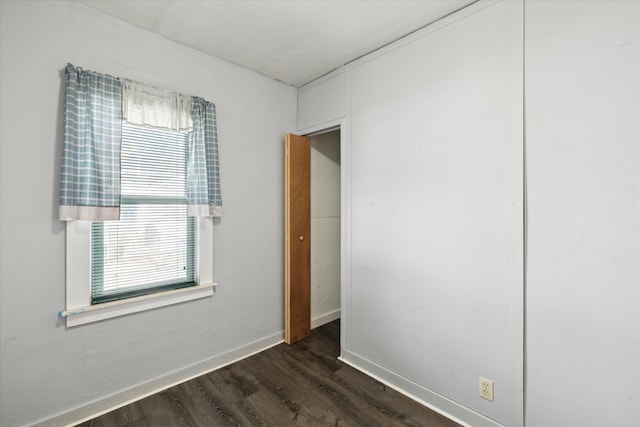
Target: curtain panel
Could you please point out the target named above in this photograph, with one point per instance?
(203, 176)
(90, 175)
(93, 117)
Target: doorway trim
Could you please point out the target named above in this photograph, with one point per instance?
(345, 218)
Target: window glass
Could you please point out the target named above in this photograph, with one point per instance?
(152, 247)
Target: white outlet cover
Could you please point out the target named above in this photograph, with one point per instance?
(486, 389)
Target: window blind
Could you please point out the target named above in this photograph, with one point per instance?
(152, 247)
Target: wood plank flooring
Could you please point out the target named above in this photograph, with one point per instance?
(299, 385)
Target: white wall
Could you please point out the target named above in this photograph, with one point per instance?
(415, 116)
(321, 103)
(583, 263)
(47, 368)
(435, 133)
(325, 228)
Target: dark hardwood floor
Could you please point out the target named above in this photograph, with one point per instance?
(299, 385)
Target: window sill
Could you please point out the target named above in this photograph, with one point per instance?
(95, 313)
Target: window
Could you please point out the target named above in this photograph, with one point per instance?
(139, 185)
(152, 247)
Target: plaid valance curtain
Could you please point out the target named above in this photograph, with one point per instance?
(90, 175)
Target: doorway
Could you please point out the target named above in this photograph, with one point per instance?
(313, 239)
(325, 227)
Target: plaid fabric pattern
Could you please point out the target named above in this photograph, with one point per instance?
(203, 175)
(91, 150)
(90, 178)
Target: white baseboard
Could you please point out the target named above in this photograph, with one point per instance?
(140, 391)
(429, 398)
(325, 318)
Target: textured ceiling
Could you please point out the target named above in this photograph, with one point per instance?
(290, 41)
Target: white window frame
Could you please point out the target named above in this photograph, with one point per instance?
(79, 309)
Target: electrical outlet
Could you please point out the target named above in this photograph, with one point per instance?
(486, 389)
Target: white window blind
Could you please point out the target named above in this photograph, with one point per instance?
(152, 247)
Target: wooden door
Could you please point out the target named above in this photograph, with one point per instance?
(297, 238)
